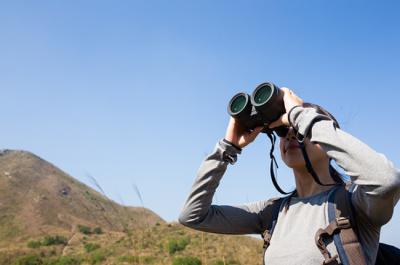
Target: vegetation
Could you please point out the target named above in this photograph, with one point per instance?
(89, 247)
(97, 230)
(186, 261)
(108, 233)
(175, 245)
(129, 259)
(65, 260)
(34, 244)
(97, 257)
(29, 260)
(48, 241)
(85, 229)
(54, 240)
(88, 231)
(164, 244)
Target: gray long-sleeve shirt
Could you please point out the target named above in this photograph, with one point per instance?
(377, 191)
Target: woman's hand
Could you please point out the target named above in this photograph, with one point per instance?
(237, 135)
(290, 100)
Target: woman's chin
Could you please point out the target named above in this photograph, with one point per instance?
(294, 161)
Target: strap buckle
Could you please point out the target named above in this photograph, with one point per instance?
(332, 260)
(343, 222)
(267, 238)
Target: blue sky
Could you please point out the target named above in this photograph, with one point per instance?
(135, 92)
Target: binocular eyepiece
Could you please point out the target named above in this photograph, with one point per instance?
(264, 106)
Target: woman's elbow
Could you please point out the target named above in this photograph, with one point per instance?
(188, 219)
(191, 219)
(183, 218)
(393, 185)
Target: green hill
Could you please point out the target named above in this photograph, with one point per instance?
(48, 217)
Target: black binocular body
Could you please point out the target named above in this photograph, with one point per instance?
(264, 106)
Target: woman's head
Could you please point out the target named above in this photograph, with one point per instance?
(292, 155)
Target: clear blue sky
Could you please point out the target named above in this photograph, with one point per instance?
(135, 92)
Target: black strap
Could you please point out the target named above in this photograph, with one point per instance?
(300, 139)
(272, 137)
(309, 165)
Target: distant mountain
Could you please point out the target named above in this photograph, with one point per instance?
(49, 218)
(37, 198)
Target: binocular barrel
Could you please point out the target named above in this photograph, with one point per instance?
(264, 106)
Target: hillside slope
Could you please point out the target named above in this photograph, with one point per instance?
(37, 198)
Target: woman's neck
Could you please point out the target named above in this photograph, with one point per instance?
(305, 183)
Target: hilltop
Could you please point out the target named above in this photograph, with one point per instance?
(48, 217)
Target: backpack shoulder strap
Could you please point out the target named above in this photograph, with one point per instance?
(341, 229)
(267, 233)
(278, 204)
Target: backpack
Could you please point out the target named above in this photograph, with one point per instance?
(342, 229)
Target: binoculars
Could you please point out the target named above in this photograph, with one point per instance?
(264, 106)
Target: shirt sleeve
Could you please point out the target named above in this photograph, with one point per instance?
(377, 181)
(199, 213)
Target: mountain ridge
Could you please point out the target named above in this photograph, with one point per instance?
(35, 194)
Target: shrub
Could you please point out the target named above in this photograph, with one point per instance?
(84, 229)
(54, 240)
(89, 247)
(218, 262)
(98, 230)
(186, 261)
(34, 244)
(177, 245)
(29, 260)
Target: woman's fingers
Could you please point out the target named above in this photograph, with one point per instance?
(249, 137)
(253, 134)
(290, 99)
(282, 120)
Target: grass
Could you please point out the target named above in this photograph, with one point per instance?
(186, 261)
(163, 244)
(64, 260)
(97, 257)
(34, 244)
(113, 234)
(29, 260)
(89, 247)
(129, 259)
(175, 245)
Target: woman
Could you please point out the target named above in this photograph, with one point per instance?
(376, 187)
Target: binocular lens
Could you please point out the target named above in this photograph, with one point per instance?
(262, 94)
(264, 106)
(238, 104)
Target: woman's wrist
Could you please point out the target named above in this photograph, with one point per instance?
(232, 143)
